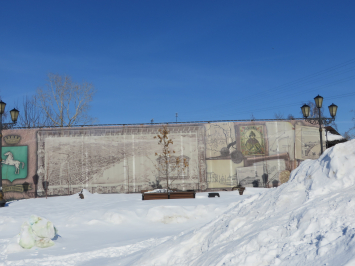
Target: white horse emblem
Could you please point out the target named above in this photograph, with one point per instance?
(10, 161)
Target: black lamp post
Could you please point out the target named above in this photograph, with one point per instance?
(320, 120)
(14, 115)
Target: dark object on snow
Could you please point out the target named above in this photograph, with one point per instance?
(212, 195)
(81, 195)
(255, 183)
(275, 183)
(265, 178)
(239, 188)
(2, 200)
(45, 185)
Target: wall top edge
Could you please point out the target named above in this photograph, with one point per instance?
(159, 124)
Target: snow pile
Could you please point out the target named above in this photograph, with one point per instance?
(159, 190)
(308, 221)
(37, 232)
(332, 137)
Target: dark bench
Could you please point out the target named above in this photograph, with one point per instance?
(213, 194)
(171, 195)
(182, 195)
(154, 196)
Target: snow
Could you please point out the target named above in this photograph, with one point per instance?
(308, 221)
(332, 137)
(101, 227)
(159, 190)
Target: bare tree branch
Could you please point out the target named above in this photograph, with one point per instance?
(64, 102)
(31, 114)
(279, 115)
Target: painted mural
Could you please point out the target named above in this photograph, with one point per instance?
(122, 159)
(116, 160)
(258, 154)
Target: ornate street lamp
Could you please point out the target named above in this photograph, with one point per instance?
(319, 120)
(14, 115)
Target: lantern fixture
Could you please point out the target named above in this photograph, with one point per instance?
(319, 101)
(320, 120)
(305, 110)
(2, 107)
(14, 115)
(333, 110)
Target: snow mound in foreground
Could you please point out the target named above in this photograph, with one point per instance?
(308, 221)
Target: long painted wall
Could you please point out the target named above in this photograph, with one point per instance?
(122, 159)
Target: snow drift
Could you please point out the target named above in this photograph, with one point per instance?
(308, 221)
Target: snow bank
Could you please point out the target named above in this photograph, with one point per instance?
(308, 221)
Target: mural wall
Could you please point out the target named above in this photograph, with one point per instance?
(122, 159)
(259, 154)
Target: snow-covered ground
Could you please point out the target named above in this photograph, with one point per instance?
(102, 227)
(308, 221)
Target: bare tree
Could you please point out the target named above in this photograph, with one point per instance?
(290, 117)
(31, 114)
(64, 102)
(350, 133)
(167, 163)
(279, 116)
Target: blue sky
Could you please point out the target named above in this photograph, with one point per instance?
(206, 60)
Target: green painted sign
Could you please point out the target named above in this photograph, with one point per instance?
(14, 162)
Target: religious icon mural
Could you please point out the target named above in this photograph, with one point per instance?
(252, 140)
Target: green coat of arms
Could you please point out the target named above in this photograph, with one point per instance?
(14, 162)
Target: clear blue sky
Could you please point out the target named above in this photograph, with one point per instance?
(206, 60)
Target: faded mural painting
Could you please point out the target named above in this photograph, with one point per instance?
(115, 160)
(122, 159)
(257, 153)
